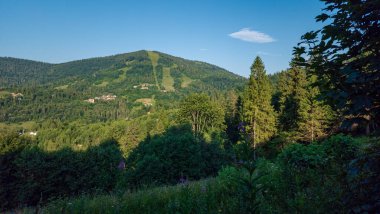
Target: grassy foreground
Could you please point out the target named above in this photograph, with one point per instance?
(193, 197)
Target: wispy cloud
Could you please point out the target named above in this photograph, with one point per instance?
(267, 54)
(249, 35)
(203, 49)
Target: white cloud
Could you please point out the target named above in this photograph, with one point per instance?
(203, 49)
(266, 53)
(249, 35)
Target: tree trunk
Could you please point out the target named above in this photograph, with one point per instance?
(367, 126)
(254, 136)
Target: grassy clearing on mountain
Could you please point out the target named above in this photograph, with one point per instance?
(4, 94)
(62, 87)
(145, 101)
(102, 84)
(154, 58)
(185, 81)
(167, 80)
(123, 76)
(27, 125)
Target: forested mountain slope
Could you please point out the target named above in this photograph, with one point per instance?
(137, 66)
(105, 88)
(17, 72)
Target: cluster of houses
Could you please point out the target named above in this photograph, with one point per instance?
(14, 95)
(144, 86)
(17, 96)
(107, 97)
(31, 133)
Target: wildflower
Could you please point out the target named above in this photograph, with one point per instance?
(241, 127)
(183, 180)
(121, 165)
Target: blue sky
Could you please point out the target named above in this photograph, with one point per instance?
(227, 33)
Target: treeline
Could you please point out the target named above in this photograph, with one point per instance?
(33, 73)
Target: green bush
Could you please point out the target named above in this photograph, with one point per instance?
(174, 155)
(363, 176)
(33, 175)
(10, 148)
(308, 178)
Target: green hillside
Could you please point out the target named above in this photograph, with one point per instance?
(79, 89)
(142, 66)
(19, 72)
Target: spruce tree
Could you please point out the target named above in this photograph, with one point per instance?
(314, 115)
(259, 115)
(302, 113)
(292, 88)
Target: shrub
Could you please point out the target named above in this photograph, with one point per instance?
(10, 148)
(38, 176)
(174, 155)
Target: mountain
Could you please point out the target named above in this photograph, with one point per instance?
(105, 88)
(165, 71)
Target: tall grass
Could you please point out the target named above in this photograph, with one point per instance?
(194, 197)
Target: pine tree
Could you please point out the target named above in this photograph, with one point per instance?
(259, 115)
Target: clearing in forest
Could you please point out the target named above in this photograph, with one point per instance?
(167, 80)
(102, 84)
(185, 81)
(62, 87)
(4, 94)
(146, 101)
(154, 58)
(123, 75)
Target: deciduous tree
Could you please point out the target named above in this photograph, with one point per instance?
(345, 54)
(202, 113)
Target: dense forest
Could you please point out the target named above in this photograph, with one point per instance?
(146, 132)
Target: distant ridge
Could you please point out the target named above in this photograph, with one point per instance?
(167, 72)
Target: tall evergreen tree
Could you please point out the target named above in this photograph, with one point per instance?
(314, 115)
(259, 115)
(292, 88)
(302, 113)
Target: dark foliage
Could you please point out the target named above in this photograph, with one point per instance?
(345, 54)
(174, 155)
(29, 175)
